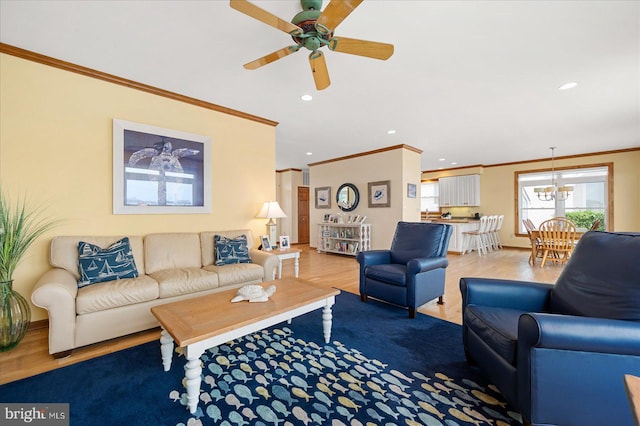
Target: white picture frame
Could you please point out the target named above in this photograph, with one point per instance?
(266, 244)
(142, 183)
(284, 243)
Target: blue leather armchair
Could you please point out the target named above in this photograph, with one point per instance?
(412, 272)
(559, 353)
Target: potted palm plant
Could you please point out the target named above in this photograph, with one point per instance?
(20, 226)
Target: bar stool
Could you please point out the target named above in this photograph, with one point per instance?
(479, 238)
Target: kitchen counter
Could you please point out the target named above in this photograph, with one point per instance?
(456, 220)
(460, 225)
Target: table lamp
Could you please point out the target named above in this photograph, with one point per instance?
(271, 210)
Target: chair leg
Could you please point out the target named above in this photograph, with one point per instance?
(441, 300)
(363, 297)
(544, 258)
(412, 312)
(468, 357)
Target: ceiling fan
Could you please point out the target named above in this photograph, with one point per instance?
(313, 29)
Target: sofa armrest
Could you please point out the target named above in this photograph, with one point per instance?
(268, 261)
(580, 361)
(416, 266)
(373, 257)
(56, 292)
(521, 295)
(577, 333)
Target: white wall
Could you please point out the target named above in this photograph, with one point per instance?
(399, 165)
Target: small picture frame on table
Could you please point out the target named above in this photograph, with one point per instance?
(326, 217)
(266, 245)
(284, 242)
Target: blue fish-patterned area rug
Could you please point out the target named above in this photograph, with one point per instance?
(380, 368)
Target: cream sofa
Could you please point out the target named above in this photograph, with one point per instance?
(171, 267)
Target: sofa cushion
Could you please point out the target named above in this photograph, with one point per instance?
(113, 294)
(598, 281)
(63, 252)
(228, 251)
(392, 273)
(207, 244)
(96, 265)
(178, 281)
(497, 327)
(237, 273)
(172, 250)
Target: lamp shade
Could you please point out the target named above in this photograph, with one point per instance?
(271, 210)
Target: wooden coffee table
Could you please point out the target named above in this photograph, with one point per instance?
(204, 322)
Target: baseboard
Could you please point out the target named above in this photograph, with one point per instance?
(36, 325)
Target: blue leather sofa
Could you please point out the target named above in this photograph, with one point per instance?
(559, 353)
(412, 272)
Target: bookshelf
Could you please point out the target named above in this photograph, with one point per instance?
(344, 238)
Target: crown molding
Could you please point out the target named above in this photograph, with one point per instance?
(88, 72)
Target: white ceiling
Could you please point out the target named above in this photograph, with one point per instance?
(471, 82)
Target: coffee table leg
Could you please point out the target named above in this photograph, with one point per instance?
(166, 349)
(192, 373)
(296, 265)
(326, 322)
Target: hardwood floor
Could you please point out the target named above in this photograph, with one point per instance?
(31, 357)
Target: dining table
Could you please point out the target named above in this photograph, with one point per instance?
(535, 242)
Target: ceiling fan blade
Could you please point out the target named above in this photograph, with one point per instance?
(335, 12)
(370, 49)
(262, 15)
(271, 57)
(319, 70)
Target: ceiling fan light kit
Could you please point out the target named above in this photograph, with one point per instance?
(313, 29)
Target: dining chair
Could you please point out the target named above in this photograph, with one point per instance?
(495, 234)
(557, 239)
(536, 252)
(595, 225)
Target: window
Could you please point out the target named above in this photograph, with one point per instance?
(588, 200)
(429, 196)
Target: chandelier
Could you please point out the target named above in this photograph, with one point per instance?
(553, 192)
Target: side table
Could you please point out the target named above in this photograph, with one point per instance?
(287, 254)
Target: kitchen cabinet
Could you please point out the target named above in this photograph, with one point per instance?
(459, 191)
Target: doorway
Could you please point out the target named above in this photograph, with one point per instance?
(303, 215)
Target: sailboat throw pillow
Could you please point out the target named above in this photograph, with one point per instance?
(96, 265)
(230, 250)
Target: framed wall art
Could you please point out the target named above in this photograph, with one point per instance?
(379, 195)
(323, 197)
(160, 171)
(411, 190)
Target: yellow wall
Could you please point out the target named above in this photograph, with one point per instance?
(397, 165)
(56, 147)
(497, 193)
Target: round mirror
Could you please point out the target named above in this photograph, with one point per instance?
(347, 197)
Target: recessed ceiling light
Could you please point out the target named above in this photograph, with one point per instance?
(442, 159)
(568, 86)
(309, 153)
(306, 97)
(391, 132)
(454, 163)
